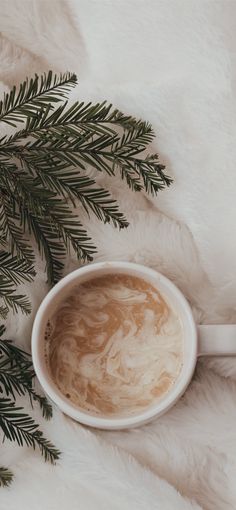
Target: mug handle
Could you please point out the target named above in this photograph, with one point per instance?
(217, 340)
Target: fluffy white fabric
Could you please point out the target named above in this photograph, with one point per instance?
(172, 63)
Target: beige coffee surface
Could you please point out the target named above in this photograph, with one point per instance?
(115, 346)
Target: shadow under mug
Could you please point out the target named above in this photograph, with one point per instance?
(206, 340)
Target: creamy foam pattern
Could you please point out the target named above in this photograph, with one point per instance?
(115, 345)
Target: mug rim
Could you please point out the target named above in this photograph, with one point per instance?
(60, 400)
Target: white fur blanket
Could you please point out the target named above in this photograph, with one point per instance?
(172, 63)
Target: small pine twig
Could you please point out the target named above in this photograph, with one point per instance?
(20, 427)
(34, 95)
(16, 376)
(44, 405)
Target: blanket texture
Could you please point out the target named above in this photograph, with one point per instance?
(174, 64)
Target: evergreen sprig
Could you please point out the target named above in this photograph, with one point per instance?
(16, 378)
(20, 427)
(44, 165)
(33, 95)
(13, 271)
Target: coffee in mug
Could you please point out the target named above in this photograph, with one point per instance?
(114, 345)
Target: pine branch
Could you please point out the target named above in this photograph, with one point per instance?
(149, 170)
(11, 233)
(66, 182)
(16, 374)
(8, 348)
(80, 151)
(17, 380)
(44, 405)
(40, 164)
(71, 231)
(34, 95)
(18, 270)
(6, 477)
(129, 175)
(16, 370)
(97, 200)
(50, 220)
(105, 152)
(11, 299)
(49, 247)
(53, 240)
(20, 427)
(135, 140)
(24, 192)
(93, 119)
(72, 186)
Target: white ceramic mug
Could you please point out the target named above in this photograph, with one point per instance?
(219, 340)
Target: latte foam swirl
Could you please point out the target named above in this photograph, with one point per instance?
(115, 345)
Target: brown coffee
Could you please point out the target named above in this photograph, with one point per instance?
(114, 345)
